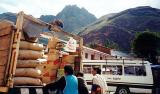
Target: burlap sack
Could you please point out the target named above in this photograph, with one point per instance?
(28, 63)
(52, 42)
(27, 81)
(48, 79)
(28, 72)
(30, 54)
(68, 58)
(52, 57)
(31, 46)
(52, 64)
(49, 75)
(53, 51)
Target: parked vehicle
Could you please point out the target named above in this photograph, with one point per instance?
(125, 76)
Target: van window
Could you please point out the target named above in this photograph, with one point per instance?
(135, 70)
(88, 68)
(112, 69)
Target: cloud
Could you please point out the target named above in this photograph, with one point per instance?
(2, 10)
(52, 7)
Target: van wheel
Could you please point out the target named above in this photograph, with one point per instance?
(122, 90)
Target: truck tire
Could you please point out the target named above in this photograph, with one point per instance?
(122, 90)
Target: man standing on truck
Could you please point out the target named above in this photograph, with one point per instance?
(67, 84)
(99, 85)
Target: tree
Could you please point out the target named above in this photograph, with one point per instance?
(146, 45)
(111, 44)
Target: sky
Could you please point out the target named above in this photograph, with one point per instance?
(53, 7)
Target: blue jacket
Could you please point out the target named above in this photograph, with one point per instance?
(71, 85)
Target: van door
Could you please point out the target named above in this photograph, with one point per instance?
(156, 79)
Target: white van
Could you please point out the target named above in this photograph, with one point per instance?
(123, 76)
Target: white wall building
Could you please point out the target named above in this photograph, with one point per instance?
(92, 54)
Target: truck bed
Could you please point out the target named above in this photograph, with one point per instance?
(29, 90)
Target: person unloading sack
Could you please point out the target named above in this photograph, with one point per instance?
(67, 84)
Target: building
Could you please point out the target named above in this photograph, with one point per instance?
(103, 49)
(92, 54)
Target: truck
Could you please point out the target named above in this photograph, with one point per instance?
(20, 42)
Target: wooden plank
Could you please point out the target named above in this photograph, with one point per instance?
(3, 53)
(5, 42)
(5, 31)
(9, 58)
(15, 51)
(1, 82)
(5, 27)
(2, 69)
(57, 29)
(28, 17)
(3, 57)
(16, 37)
(2, 76)
(3, 61)
(2, 72)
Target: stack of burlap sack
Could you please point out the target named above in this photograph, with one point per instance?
(27, 72)
(57, 60)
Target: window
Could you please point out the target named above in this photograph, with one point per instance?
(92, 57)
(100, 57)
(112, 69)
(135, 70)
(88, 68)
(86, 55)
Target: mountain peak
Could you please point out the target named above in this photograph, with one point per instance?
(80, 17)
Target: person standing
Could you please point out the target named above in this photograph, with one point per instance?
(99, 85)
(82, 85)
(67, 84)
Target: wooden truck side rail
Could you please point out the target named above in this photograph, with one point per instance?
(12, 56)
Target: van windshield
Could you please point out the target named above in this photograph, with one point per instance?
(156, 75)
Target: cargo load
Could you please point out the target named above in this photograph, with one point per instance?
(27, 61)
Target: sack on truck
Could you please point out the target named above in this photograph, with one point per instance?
(68, 59)
(30, 54)
(28, 63)
(28, 72)
(53, 42)
(31, 46)
(27, 81)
